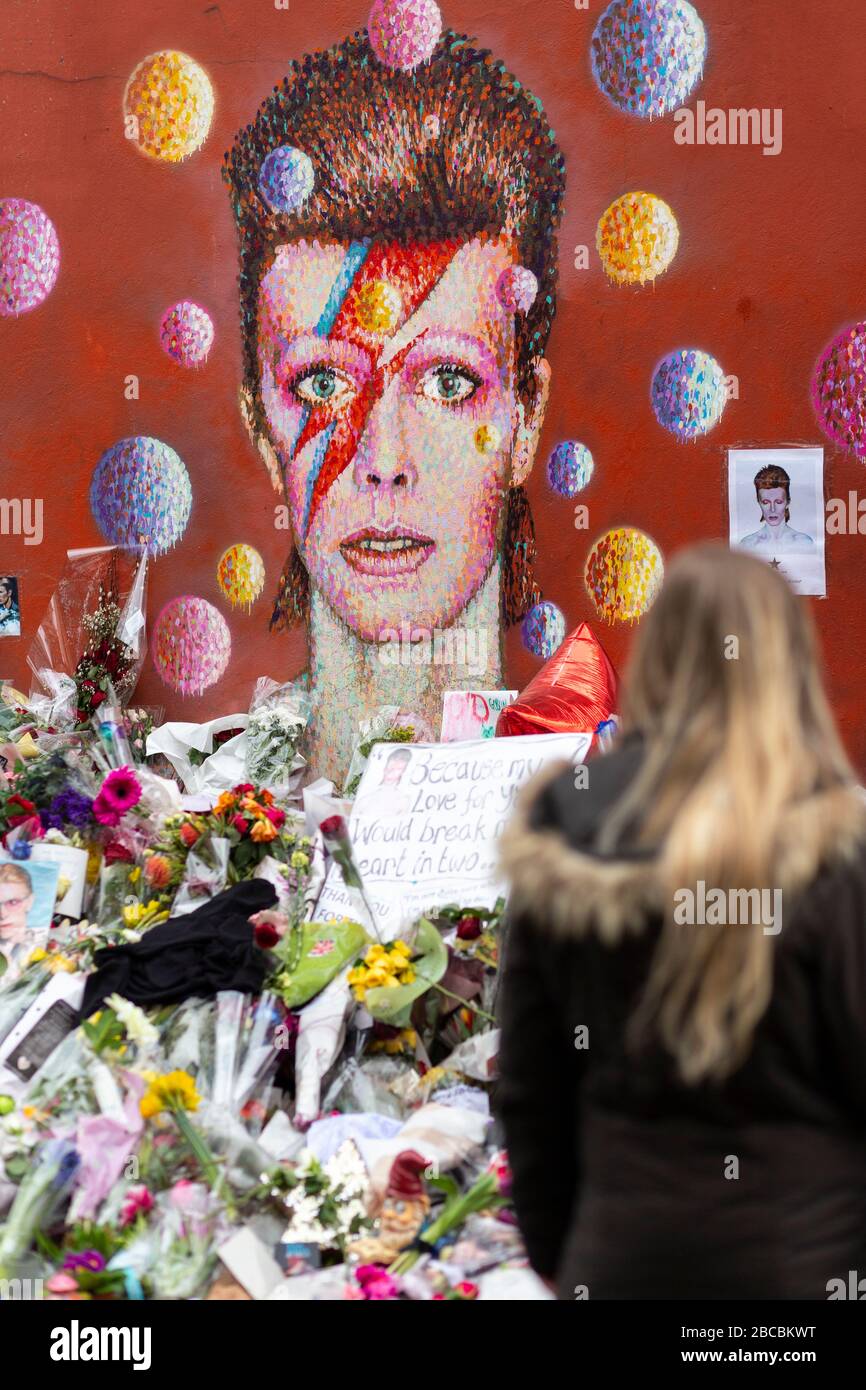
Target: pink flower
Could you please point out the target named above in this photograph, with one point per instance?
(121, 789)
(275, 816)
(322, 948)
(351, 1291)
(376, 1283)
(138, 1201)
(466, 1289)
(61, 1284)
(105, 813)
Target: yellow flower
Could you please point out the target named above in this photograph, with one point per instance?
(60, 962)
(132, 914)
(135, 874)
(407, 977)
(174, 1090)
(375, 953)
(376, 978)
(37, 955)
(94, 860)
(357, 975)
(299, 860)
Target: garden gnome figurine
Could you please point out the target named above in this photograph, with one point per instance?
(402, 1214)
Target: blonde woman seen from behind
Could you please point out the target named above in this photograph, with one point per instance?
(683, 1059)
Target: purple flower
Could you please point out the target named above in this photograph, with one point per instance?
(69, 807)
(90, 1260)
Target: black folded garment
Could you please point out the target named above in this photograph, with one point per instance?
(207, 950)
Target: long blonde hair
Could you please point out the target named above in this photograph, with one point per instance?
(725, 688)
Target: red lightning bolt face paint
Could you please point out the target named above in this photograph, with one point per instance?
(391, 285)
(388, 384)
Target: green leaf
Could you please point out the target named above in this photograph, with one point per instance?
(394, 1006)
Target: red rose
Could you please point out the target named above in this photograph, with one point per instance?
(117, 853)
(469, 927)
(266, 936)
(241, 824)
(25, 812)
(275, 815)
(243, 789)
(333, 827)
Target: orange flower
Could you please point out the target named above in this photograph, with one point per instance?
(224, 802)
(266, 798)
(157, 871)
(263, 831)
(251, 806)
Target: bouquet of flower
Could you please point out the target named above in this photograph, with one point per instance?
(93, 632)
(326, 1203)
(278, 717)
(254, 826)
(388, 725)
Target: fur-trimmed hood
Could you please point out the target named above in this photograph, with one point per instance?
(560, 880)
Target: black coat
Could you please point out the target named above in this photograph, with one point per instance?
(629, 1183)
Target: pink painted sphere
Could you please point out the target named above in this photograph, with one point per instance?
(186, 333)
(839, 389)
(29, 256)
(191, 645)
(516, 289)
(404, 33)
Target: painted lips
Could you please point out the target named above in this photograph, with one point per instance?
(386, 553)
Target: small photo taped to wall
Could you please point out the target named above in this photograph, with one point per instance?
(10, 613)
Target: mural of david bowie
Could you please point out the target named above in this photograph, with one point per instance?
(394, 321)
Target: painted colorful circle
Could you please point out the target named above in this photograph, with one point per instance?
(404, 33)
(543, 629)
(286, 179)
(839, 389)
(637, 238)
(186, 333)
(168, 106)
(29, 256)
(241, 574)
(191, 645)
(570, 468)
(516, 289)
(648, 55)
(623, 575)
(378, 306)
(140, 494)
(688, 393)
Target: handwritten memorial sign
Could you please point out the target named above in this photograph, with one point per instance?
(426, 821)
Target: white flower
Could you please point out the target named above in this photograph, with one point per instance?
(139, 1028)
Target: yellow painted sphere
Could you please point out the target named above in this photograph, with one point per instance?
(379, 307)
(241, 574)
(168, 106)
(637, 238)
(623, 575)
